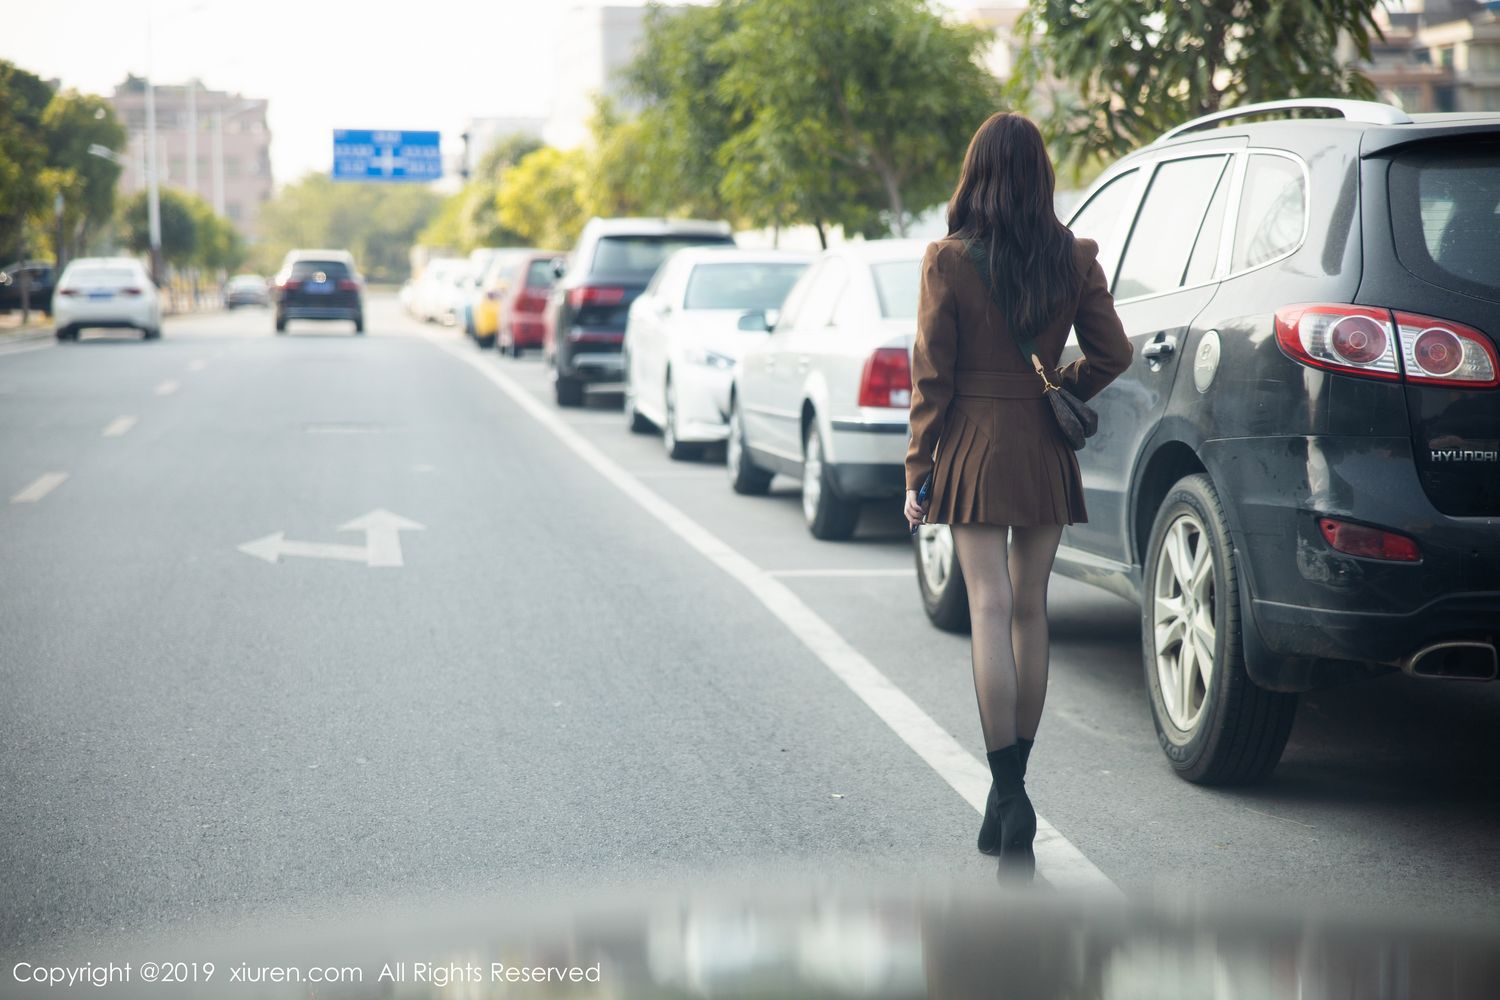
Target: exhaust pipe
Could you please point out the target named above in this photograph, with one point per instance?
(1460, 660)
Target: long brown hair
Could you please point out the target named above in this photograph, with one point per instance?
(1004, 200)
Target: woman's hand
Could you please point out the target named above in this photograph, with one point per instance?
(914, 511)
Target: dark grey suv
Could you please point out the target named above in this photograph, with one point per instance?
(1297, 478)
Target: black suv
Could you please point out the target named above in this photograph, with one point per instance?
(611, 265)
(36, 278)
(318, 284)
(1297, 478)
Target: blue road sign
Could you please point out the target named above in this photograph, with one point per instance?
(375, 155)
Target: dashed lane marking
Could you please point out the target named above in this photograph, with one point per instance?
(119, 427)
(40, 487)
(1058, 860)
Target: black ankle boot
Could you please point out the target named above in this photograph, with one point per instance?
(989, 830)
(1025, 746)
(1009, 821)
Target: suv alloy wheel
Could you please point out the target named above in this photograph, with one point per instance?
(1214, 723)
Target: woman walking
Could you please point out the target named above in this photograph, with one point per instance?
(1002, 474)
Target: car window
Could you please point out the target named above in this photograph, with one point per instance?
(792, 307)
(1172, 213)
(741, 285)
(1099, 219)
(824, 295)
(1272, 213)
(639, 256)
(334, 269)
(897, 285)
(1445, 210)
(1205, 255)
(102, 276)
(539, 274)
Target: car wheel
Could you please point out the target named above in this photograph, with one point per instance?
(1213, 722)
(633, 419)
(569, 391)
(151, 333)
(677, 450)
(945, 598)
(829, 517)
(359, 325)
(745, 477)
(485, 342)
(67, 333)
(281, 324)
(516, 350)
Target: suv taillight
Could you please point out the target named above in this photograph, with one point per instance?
(1357, 340)
(595, 295)
(886, 380)
(348, 285)
(291, 285)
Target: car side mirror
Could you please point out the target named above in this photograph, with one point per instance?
(758, 320)
(558, 267)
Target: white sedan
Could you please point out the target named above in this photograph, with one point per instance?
(824, 398)
(684, 335)
(106, 292)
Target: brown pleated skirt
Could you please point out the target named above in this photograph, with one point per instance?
(1001, 458)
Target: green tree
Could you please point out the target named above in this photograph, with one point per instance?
(377, 222)
(884, 92)
(541, 199)
(219, 246)
(179, 226)
(23, 156)
(1132, 69)
(71, 123)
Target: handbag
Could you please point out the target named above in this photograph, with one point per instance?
(1075, 419)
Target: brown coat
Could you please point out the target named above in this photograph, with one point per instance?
(979, 423)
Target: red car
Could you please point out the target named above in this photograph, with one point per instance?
(523, 308)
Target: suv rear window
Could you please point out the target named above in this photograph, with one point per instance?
(638, 257)
(1445, 213)
(335, 269)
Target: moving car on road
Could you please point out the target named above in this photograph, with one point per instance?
(683, 337)
(825, 397)
(318, 284)
(611, 264)
(520, 313)
(246, 290)
(1297, 478)
(106, 292)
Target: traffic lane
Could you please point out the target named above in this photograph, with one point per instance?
(1333, 811)
(559, 692)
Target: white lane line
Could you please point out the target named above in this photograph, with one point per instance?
(119, 427)
(1061, 863)
(167, 388)
(799, 573)
(43, 484)
(197, 366)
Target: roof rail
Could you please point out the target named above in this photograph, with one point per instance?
(1354, 111)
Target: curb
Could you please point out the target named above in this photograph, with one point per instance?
(30, 333)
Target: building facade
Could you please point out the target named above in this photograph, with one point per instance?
(1438, 55)
(597, 44)
(209, 143)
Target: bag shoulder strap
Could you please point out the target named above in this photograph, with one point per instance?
(980, 258)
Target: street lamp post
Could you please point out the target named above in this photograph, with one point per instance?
(153, 190)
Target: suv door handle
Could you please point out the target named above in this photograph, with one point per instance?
(1159, 350)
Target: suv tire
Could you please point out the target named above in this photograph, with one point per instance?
(745, 477)
(945, 596)
(281, 324)
(829, 516)
(1215, 725)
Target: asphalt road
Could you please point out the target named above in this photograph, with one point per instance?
(554, 687)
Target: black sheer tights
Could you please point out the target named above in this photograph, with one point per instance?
(1007, 586)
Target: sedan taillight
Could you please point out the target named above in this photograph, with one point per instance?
(130, 291)
(886, 380)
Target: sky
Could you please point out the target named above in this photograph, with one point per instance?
(417, 64)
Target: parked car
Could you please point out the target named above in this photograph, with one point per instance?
(246, 290)
(611, 264)
(321, 285)
(825, 397)
(521, 312)
(432, 290)
(106, 292)
(483, 312)
(1297, 478)
(683, 337)
(39, 278)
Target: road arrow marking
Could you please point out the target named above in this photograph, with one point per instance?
(382, 546)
